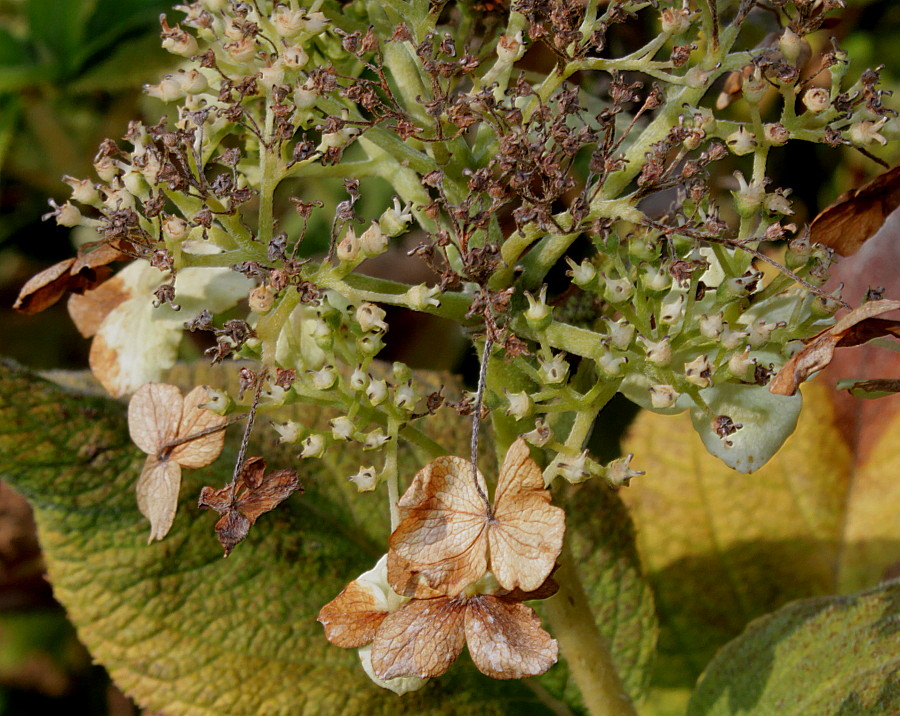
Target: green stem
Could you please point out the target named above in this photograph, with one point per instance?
(582, 645)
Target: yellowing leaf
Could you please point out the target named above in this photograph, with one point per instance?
(722, 548)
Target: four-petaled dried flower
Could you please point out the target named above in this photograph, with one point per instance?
(175, 433)
(449, 535)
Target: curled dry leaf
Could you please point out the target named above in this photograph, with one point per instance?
(857, 215)
(447, 530)
(241, 503)
(858, 326)
(45, 288)
(175, 433)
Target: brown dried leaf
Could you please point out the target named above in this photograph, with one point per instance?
(157, 494)
(422, 638)
(154, 416)
(446, 530)
(241, 505)
(857, 214)
(858, 326)
(526, 534)
(505, 638)
(89, 309)
(352, 617)
(45, 288)
(203, 450)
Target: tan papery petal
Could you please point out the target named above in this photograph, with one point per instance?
(421, 583)
(442, 532)
(526, 535)
(90, 309)
(352, 617)
(506, 640)
(194, 419)
(422, 638)
(157, 494)
(154, 415)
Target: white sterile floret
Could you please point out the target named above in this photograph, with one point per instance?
(619, 472)
(618, 290)
(555, 370)
(671, 310)
(662, 396)
(658, 353)
(376, 392)
(405, 397)
(574, 469)
(610, 364)
(395, 219)
(373, 242)
(358, 379)
(520, 405)
(313, 446)
(621, 333)
(323, 378)
(422, 297)
(582, 274)
(370, 317)
(741, 365)
(366, 479)
(83, 190)
(712, 326)
(374, 439)
(342, 428)
(541, 435)
(699, 371)
(288, 432)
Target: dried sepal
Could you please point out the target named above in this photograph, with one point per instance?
(858, 326)
(242, 503)
(446, 529)
(422, 638)
(170, 430)
(857, 214)
(45, 288)
(506, 640)
(352, 617)
(90, 309)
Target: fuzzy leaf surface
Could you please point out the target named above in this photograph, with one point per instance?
(180, 629)
(786, 662)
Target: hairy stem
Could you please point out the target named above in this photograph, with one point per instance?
(585, 650)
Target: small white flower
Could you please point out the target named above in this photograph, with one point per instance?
(342, 428)
(371, 318)
(366, 479)
(699, 372)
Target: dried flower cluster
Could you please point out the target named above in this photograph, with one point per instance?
(562, 200)
(456, 573)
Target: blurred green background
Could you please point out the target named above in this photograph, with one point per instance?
(71, 73)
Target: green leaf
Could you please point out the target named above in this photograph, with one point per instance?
(181, 629)
(832, 655)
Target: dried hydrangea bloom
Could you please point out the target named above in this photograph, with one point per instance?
(161, 424)
(447, 528)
